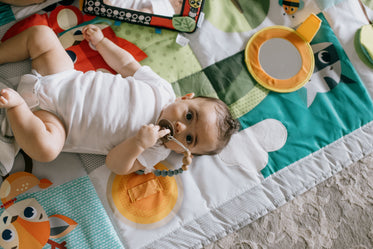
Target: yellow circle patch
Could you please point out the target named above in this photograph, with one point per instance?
(144, 199)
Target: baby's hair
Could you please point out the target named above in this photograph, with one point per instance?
(226, 124)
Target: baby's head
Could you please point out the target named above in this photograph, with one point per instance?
(203, 124)
(225, 123)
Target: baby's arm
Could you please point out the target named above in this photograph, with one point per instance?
(117, 58)
(122, 159)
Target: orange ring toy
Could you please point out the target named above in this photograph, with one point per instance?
(299, 38)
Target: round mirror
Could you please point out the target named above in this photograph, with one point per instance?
(279, 58)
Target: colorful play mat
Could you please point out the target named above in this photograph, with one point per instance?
(296, 74)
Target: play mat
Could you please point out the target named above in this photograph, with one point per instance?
(303, 120)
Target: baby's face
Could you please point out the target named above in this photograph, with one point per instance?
(195, 124)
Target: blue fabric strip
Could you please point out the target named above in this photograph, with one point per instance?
(324, 4)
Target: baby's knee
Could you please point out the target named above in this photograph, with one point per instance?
(40, 31)
(46, 154)
(41, 38)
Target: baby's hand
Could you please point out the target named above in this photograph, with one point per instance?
(148, 135)
(92, 34)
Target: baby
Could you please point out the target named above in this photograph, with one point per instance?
(57, 108)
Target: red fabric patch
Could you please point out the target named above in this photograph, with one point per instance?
(85, 58)
(51, 19)
(24, 24)
(55, 15)
(89, 59)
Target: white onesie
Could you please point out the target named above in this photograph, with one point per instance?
(100, 110)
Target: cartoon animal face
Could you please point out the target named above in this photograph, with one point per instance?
(195, 3)
(25, 224)
(291, 6)
(327, 73)
(325, 55)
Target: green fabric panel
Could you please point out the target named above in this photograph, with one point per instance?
(368, 3)
(360, 51)
(249, 101)
(254, 11)
(197, 83)
(230, 78)
(167, 58)
(229, 17)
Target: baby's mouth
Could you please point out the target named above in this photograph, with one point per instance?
(166, 124)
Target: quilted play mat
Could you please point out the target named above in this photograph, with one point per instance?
(298, 75)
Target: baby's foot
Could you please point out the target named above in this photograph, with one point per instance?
(10, 98)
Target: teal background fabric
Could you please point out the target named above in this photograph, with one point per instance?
(331, 115)
(324, 4)
(6, 14)
(78, 200)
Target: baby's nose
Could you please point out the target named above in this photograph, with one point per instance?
(179, 127)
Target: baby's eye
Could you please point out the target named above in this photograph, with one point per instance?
(189, 139)
(189, 116)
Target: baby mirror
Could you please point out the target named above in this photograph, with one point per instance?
(281, 58)
(179, 15)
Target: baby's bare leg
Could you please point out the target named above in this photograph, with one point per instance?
(41, 45)
(40, 134)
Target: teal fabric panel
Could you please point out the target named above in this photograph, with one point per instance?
(332, 114)
(78, 200)
(6, 14)
(324, 4)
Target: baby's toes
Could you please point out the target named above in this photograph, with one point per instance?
(9, 98)
(3, 101)
(4, 97)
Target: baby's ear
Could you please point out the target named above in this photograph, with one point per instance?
(188, 96)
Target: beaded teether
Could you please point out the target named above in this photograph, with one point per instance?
(165, 124)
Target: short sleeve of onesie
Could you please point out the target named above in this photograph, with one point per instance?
(153, 155)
